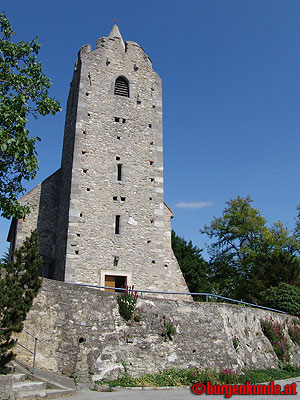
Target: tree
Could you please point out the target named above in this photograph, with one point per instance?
(272, 269)
(242, 239)
(19, 285)
(194, 268)
(284, 297)
(23, 92)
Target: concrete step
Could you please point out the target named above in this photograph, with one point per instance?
(18, 377)
(40, 386)
(44, 394)
(28, 385)
(31, 394)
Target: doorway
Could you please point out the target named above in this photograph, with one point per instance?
(115, 281)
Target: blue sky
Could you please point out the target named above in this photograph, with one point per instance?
(231, 93)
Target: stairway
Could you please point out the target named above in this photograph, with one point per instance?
(28, 386)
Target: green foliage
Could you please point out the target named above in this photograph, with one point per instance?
(19, 285)
(228, 376)
(168, 328)
(270, 270)
(275, 333)
(189, 376)
(284, 297)
(23, 92)
(127, 303)
(247, 256)
(235, 342)
(194, 268)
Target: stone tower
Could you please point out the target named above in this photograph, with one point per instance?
(110, 226)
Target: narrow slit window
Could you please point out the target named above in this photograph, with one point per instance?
(116, 260)
(117, 225)
(121, 87)
(119, 172)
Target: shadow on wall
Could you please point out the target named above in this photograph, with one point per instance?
(47, 222)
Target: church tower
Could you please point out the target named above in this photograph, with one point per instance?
(112, 226)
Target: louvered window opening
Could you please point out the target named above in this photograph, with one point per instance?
(121, 87)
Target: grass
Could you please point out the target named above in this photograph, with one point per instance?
(187, 377)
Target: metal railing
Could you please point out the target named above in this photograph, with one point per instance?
(207, 295)
(30, 351)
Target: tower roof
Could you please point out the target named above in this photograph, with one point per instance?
(115, 33)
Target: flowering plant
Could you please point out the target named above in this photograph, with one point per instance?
(274, 332)
(228, 375)
(127, 302)
(294, 332)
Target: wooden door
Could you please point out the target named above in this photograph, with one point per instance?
(110, 281)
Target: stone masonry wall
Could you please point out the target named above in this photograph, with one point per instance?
(43, 201)
(81, 332)
(103, 130)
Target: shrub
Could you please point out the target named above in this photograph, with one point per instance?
(127, 302)
(274, 332)
(168, 328)
(284, 297)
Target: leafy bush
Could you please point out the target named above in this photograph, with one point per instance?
(274, 332)
(284, 297)
(168, 328)
(127, 302)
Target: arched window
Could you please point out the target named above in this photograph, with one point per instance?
(122, 86)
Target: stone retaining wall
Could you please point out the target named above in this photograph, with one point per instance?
(6, 382)
(81, 333)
